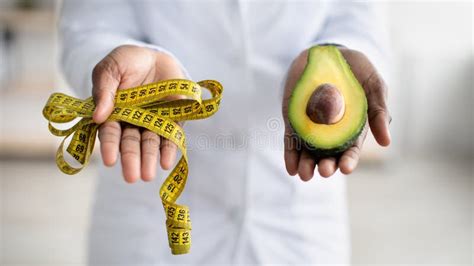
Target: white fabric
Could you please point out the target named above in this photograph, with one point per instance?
(244, 207)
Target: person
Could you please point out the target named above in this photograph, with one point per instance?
(245, 207)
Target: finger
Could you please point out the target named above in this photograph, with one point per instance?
(379, 117)
(105, 81)
(327, 167)
(379, 125)
(109, 137)
(306, 165)
(350, 158)
(130, 151)
(292, 154)
(150, 146)
(168, 152)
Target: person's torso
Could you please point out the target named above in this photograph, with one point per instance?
(238, 186)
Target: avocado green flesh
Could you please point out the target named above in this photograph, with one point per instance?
(327, 65)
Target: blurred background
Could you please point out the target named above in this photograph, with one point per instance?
(410, 204)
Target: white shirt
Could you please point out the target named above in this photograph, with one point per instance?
(244, 206)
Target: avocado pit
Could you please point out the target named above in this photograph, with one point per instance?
(326, 105)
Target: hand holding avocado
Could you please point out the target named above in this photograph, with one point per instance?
(330, 95)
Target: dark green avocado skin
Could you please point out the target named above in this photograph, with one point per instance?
(319, 153)
(335, 152)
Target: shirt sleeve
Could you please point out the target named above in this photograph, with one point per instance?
(358, 26)
(88, 31)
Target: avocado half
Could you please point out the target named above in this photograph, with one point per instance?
(326, 65)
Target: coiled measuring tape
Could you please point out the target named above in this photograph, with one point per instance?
(142, 106)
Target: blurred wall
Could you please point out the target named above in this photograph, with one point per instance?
(28, 74)
(431, 94)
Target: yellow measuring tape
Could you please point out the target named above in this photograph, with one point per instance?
(142, 106)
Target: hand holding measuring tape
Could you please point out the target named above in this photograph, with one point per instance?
(145, 107)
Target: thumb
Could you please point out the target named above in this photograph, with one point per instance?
(291, 141)
(105, 81)
(379, 117)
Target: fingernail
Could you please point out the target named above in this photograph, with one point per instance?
(97, 111)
